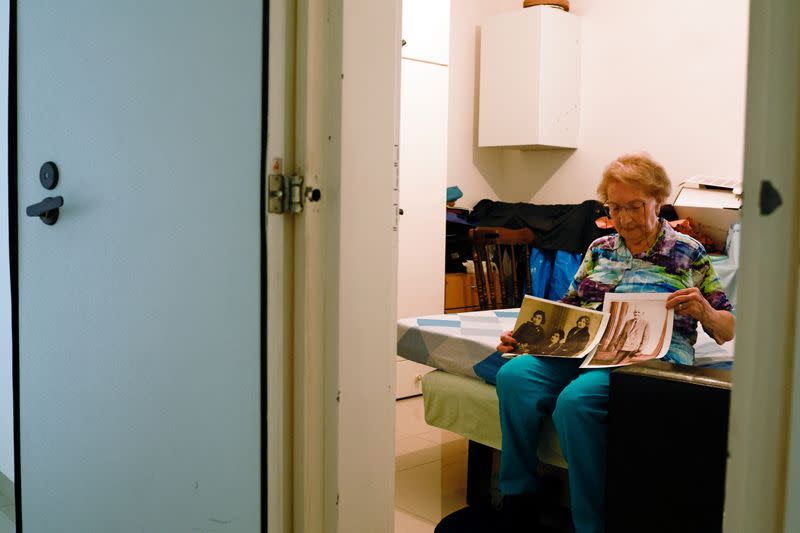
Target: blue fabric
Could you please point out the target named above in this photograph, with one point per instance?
(454, 193)
(552, 272)
(565, 265)
(541, 270)
(530, 388)
(439, 323)
(487, 369)
(726, 266)
(725, 365)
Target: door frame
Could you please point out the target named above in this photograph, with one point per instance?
(751, 462)
(279, 274)
(765, 374)
(276, 276)
(347, 131)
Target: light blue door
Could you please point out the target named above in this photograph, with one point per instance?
(140, 309)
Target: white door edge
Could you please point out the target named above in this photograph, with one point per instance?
(348, 58)
(792, 519)
(759, 438)
(279, 273)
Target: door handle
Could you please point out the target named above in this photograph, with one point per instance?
(46, 210)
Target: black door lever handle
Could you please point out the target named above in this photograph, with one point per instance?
(46, 210)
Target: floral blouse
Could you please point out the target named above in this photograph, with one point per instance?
(675, 261)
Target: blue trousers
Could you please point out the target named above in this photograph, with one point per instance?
(528, 389)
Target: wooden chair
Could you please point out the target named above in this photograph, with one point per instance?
(505, 252)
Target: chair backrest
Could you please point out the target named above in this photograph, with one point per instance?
(500, 255)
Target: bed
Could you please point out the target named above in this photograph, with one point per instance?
(459, 396)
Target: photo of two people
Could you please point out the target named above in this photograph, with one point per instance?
(555, 329)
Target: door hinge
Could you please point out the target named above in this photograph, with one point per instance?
(288, 194)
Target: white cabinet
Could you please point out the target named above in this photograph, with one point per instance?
(409, 378)
(529, 79)
(426, 30)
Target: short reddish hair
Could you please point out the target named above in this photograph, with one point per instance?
(637, 170)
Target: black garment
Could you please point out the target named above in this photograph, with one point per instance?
(457, 244)
(530, 334)
(472, 519)
(517, 514)
(577, 338)
(551, 349)
(568, 227)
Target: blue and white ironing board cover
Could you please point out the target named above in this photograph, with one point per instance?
(456, 342)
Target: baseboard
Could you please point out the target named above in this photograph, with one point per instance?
(7, 488)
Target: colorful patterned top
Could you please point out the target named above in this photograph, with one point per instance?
(675, 261)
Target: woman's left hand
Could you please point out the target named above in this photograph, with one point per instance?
(690, 302)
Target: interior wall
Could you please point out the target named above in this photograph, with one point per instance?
(476, 171)
(6, 384)
(655, 78)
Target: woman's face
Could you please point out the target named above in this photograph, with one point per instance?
(582, 323)
(633, 211)
(554, 338)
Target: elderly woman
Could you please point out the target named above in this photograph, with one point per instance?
(646, 255)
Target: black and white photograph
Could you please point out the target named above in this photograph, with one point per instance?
(554, 329)
(639, 328)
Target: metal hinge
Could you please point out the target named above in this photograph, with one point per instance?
(288, 194)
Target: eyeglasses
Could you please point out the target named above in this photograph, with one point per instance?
(633, 208)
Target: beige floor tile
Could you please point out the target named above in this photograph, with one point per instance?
(454, 477)
(455, 451)
(408, 523)
(414, 451)
(440, 436)
(453, 501)
(431, 469)
(418, 490)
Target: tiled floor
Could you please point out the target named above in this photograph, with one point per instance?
(431, 470)
(6, 515)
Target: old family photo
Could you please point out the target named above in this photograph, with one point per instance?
(632, 328)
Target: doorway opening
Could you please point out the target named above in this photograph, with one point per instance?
(678, 81)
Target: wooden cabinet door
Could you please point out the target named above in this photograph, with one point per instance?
(460, 293)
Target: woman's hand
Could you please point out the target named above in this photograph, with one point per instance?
(507, 343)
(691, 302)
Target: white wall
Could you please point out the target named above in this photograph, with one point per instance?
(6, 392)
(476, 171)
(653, 77)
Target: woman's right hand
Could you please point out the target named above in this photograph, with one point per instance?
(507, 343)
